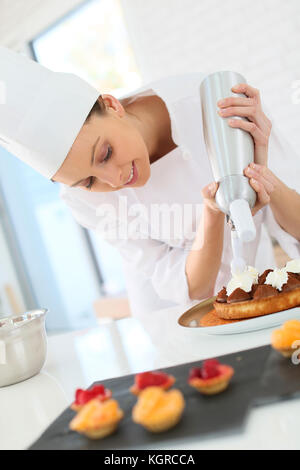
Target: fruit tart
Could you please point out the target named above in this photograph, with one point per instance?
(84, 396)
(211, 378)
(158, 410)
(97, 419)
(151, 379)
(286, 337)
(250, 295)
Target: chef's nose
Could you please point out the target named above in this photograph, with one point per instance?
(112, 175)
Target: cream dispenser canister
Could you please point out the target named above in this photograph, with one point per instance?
(230, 151)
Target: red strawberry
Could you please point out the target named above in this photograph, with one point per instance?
(149, 379)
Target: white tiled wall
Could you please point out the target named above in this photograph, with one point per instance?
(259, 38)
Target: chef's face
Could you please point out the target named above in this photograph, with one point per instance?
(108, 154)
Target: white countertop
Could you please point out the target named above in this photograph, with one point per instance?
(129, 346)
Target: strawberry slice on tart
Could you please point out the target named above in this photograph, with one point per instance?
(211, 378)
(151, 379)
(82, 397)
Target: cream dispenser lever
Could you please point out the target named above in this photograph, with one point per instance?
(230, 151)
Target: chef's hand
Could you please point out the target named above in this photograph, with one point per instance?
(208, 194)
(258, 125)
(263, 181)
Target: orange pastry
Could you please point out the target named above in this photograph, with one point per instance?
(211, 378)
(82, 397)
(158, 410)
(97, 419)
(151, 379)
(283, 339)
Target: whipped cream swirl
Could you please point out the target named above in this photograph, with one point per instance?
(293, 266)
(244, 280)
(277, 278)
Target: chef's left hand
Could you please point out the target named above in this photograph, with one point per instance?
(258, 125)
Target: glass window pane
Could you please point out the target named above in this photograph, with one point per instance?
(92, 42)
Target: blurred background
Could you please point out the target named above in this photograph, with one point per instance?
(46, 258)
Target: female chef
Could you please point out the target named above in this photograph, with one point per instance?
(120, 161)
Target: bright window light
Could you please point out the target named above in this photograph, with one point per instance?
(92, 42)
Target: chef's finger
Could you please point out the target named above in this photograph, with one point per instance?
(209, 191)
(264, 171)
(268, 185)
(262, 196)
(248, 90)
(232, 101)
(242, 111)
(250, 127)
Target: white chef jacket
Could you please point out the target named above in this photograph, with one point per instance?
(155, 265)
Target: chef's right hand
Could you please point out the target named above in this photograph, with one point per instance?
(208, 194)
(263, 181)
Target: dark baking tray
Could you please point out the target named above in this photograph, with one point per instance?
(261, 376)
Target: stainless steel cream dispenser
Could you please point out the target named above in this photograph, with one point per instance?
(230, 151)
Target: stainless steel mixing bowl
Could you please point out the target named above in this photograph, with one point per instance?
(23, 346)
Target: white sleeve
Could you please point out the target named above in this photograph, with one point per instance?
(162, 264)
(287, 242)
(285, 164)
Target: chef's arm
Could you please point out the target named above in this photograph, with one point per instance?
(203, 261)
(285, 205)
(284, 201)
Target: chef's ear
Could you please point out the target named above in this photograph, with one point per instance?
(113, 103)
(99, 108)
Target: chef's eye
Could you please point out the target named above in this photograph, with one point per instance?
(108, 155)
(91, 182)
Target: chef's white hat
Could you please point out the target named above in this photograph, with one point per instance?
(41, 111)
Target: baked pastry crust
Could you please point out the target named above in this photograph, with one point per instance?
(158, 410)
(216, 384)
(97, 419)
(256, 308)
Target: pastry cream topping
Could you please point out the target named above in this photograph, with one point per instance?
(244, 280)
(253, 273)
(277, 278)
(293, 266)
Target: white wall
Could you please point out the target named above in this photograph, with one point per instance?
(259, 38)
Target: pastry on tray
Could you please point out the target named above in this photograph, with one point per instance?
(97, 419)
(250, 295)
(158, 410)
(84, 396)
(151, 379)
(211, 378)
(286, 337)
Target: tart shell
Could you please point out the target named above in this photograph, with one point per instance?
(215, 384)
(256, 308)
